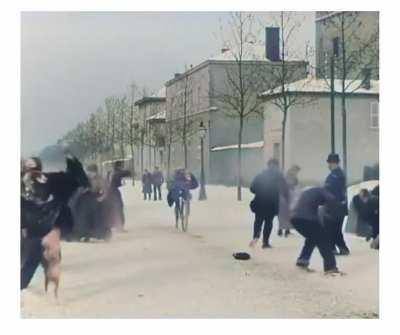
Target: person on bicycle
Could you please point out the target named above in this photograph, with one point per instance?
(183, 181)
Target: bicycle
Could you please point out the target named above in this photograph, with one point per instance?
(182, 211)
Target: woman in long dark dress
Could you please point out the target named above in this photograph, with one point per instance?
(113, 206)
(86, 207)
(44, 210)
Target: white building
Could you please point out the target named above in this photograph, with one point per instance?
(308, 128)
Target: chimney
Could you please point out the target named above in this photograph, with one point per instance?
(366, 78)
(272, 44)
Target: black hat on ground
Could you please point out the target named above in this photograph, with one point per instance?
(333, 158)
(242, 256)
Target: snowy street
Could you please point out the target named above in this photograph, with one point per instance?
(155, 271)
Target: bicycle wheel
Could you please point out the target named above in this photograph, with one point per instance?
(181, 212)
(177, 215)
(186, 211)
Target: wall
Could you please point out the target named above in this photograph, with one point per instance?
(204, 84)
(308, 136)
(145, 111)
(324, 33)
(223, 165)
(198, 103)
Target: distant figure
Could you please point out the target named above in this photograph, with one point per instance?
(157, 180)
(284, 206)
(267, 187)
(146, 184)
(335, 212)
(306, 221)
(113, 206)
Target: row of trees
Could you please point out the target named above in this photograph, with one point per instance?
(109, 131)
(355, 56)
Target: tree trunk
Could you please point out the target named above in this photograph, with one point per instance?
(133, 164)
(141, 153)
(283, 141)
(344, 116)
(239, 174)
(169, 161)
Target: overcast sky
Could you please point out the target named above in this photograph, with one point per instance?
(72, 61)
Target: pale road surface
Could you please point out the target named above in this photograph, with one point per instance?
(154, 271)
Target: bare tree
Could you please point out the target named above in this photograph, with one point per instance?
(110, 104)
(277, 78)
(242, 81)
(355, 59)
(133, 137)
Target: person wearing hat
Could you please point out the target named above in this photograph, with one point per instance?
(334, 212)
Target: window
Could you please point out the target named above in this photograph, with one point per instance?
(374, 115)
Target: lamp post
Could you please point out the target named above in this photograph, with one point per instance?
(202, 134)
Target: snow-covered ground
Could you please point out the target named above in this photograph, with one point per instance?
(156, 271)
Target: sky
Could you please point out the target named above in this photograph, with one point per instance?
(72, 61)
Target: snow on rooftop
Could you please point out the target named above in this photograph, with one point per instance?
(159, 116)
(253, 145)
(313, 85)
(254, 52)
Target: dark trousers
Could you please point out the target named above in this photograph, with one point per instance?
(375, 229)
(157, 189)
(334, 228)
(258, 224)
(315, 236)
(147, 195)
(31, 256)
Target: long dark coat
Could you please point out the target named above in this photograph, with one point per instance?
(267, 187)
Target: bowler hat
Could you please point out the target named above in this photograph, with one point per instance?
(333, 158)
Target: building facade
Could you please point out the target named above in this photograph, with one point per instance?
(150, 127)
(361, 35)
(203, 86)
(308, 130)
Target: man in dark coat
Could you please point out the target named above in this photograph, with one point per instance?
(305, 220)
(367, 206)
(44, 207)
(146, 184)
(157, 179)
(267, 187)
(335, 212)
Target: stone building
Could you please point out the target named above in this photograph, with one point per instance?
(150, 127)
(361, 35)
(195, 96)
(308, 132)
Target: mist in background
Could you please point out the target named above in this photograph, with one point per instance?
(71, 61)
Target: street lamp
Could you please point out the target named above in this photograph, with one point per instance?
(202, 135)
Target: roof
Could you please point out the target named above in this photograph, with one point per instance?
(252, 53)
(253, 145)
(160, 116)
(159, 96)
(313, 85)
